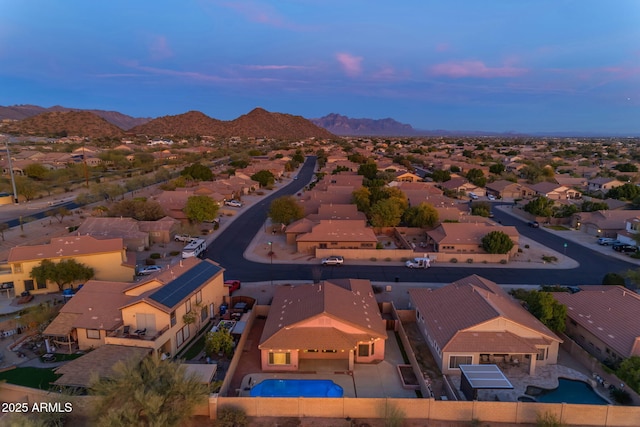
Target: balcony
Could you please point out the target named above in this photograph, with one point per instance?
(129, 337)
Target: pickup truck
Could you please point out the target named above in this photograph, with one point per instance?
(183, 238)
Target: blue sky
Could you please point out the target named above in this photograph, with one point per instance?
(494, 65)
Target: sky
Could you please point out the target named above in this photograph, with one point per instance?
(492, 65)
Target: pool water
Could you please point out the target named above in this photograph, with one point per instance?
(568, 391)
(296, 388)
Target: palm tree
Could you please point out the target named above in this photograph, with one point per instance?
(151, 393)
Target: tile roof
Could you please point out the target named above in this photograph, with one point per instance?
(467, 303)
(608, 312)
(103, 228)
(339, 231)
(465, 233)
(62, 247)
(100, 362)
(345, 301)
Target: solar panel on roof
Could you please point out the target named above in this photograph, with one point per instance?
(178, 289)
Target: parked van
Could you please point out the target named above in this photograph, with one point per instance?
(474, 196)
(196, 247)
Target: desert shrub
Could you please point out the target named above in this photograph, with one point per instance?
(453, 260)
(231, 417)
(621, 396)
(549, 258)
(526, 246)
(174, 253)
(387, 259)
(504, 261)
(469, 260)
(155, 255)
(548, 420)
(373, 258)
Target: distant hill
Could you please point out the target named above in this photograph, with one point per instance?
(259, 123)
(187, 124)
(346, 126)
(65, 123)
(19, 112)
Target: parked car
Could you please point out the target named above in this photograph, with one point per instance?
(534, 224)
(233, 203)
(491, 197)
(624, 248)
(333, 260)
(183, 238)
(233, 285)
(473, 196)
(606, 241)
(150, 269)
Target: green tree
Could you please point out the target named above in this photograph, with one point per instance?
(540, 206)
(140, 209)
(152, 393)
(362, 199)
(629, 372)
(27, 187)
(386, 213)
(626, 167)
(59, 213)
(476, 177)
(36, 171)
(439, 175)
(298, 157)
(481, 209)
(613, 279)
(591, 206)
(197, 172)
(218, 341)
(423, 215)
(497, 168)
(545, 308)
(285, 210)
(200, 209)
(369, 170)
(626, 191)
(264, 177)
(497, 242)
(64, 272)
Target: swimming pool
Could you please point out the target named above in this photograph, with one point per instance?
(568, 391)
(296, 388)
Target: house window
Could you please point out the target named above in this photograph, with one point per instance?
(203, 314)
(187, 306)
(363, 350)
(28, 285)
(185, 332)
(279, 358)
(179, 338)
(322, 246)
(456, 361)
(198, 297)
(41, 284)
(542, 354)
(329, 351)
(311, 351)
(373, 348)
(17, 268)
(173, 318)
(93, 334)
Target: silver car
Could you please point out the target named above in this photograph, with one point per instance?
(333, 260)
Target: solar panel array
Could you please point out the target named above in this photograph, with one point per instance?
(485, 376)
(178, 289)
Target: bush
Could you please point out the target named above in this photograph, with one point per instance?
(621, 396)
(613, 279)
(548, 420)
(149, 261)
(549, 258)
(387, 259)
(519, 250)
(469, 260)
(174, 253)
(373, 259)
(230, 416)
(526, 246)
(453, 260)
(155, 255)
(504, 261)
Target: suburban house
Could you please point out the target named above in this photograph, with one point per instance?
(466, 237)
(161, 313)
(554, 191)
(602, 185)
(474, 321)
(337, 234)
(108, 258)
(631, 231)
(603, 223)
(404, 176)
(336, 320)
(603, 321)
(117, 227)
(462, 185)
(504, 189)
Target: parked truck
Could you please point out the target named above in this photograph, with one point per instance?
(419, 263)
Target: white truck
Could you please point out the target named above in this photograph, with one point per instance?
(418, 263)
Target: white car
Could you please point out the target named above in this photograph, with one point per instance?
(233, 203)
(491, 197)
(418, 263)
(333, 260)
(150, 269)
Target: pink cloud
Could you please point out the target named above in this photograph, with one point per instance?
(277, 67)
(475, 69)
(160, 49)
(352, 65)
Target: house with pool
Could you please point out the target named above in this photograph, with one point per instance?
(337, 320)
(474, 321)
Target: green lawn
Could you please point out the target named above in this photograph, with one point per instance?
(30, 377)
